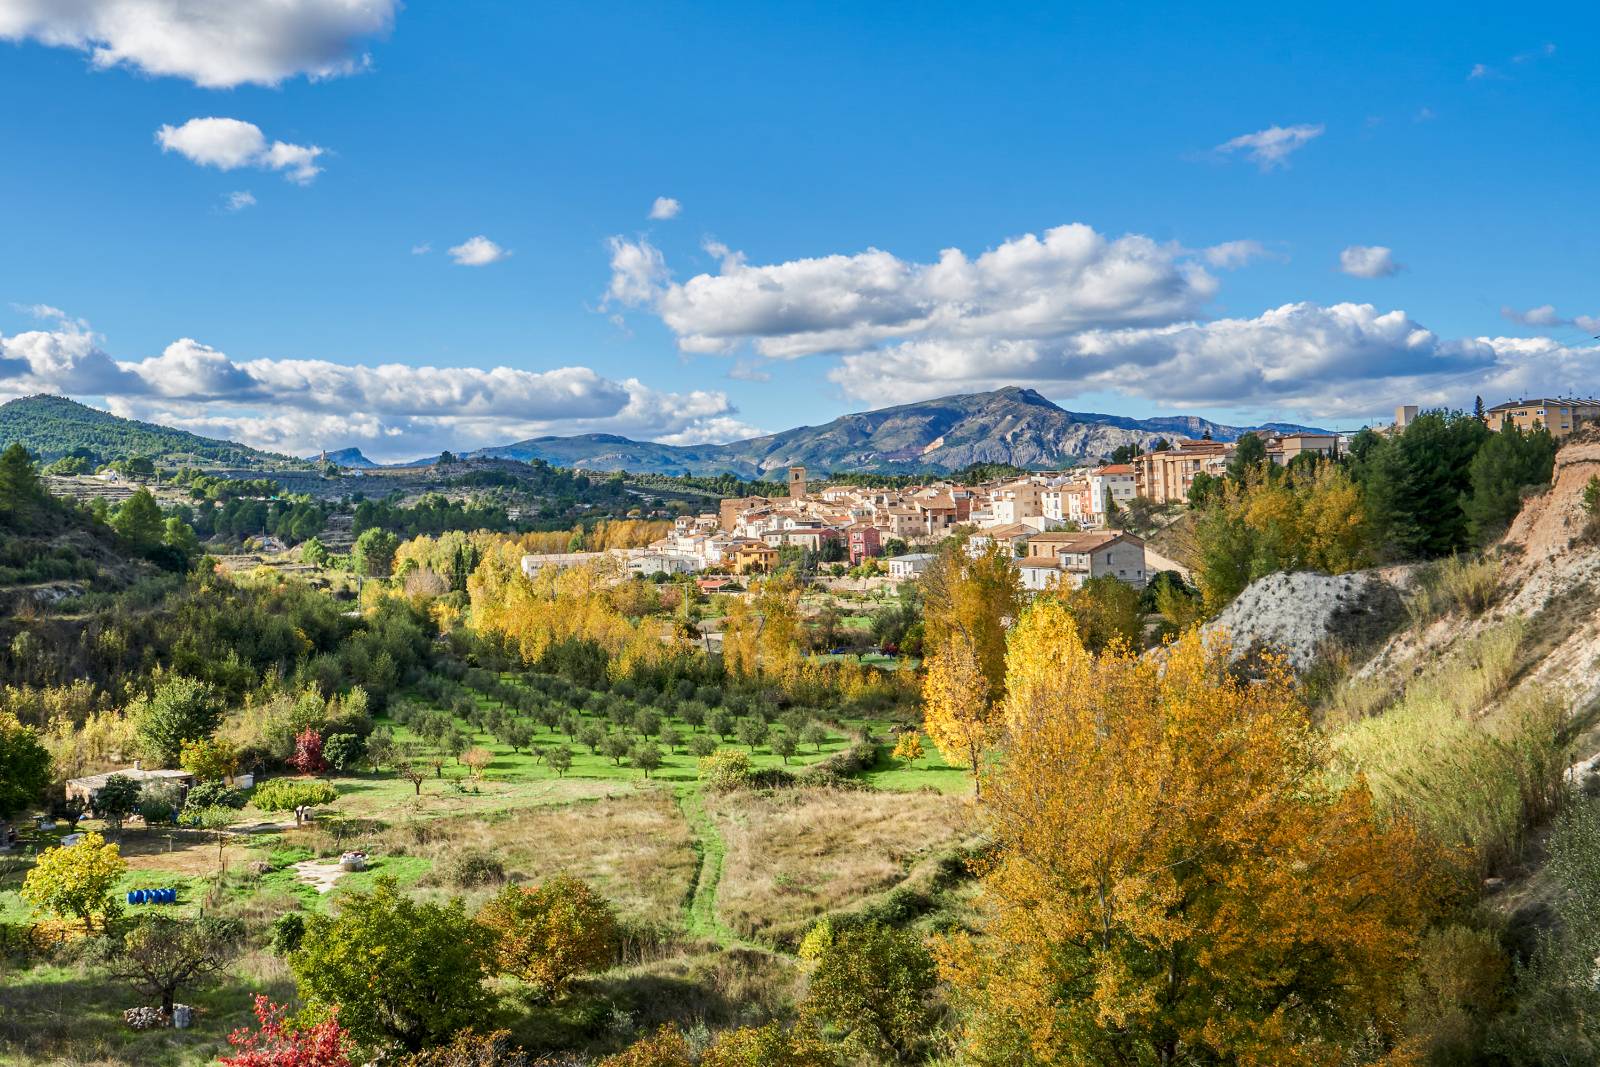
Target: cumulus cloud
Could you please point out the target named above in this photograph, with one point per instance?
(1545, 316)
(1232, 254)
(1270, 148)
(254, 43)
(1340, 361)
(422, 249)
(238, 201)
(1368, 261)
(1030, 286)
(229, 144)
(397, 410)
(665, 207)
(477, 251)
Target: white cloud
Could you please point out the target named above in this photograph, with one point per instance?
(1271, 147)
(238, 201)
(1071, 278)
(1545, 316)
(229, 144)
(1231, 254)
(665, 207)
(1368, 261)
(400, 411)
(477, 251)
(1479, 71)
(422, 249)
(252, 42)
(1341, 361)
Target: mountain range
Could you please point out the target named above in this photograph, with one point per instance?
(1012, 425)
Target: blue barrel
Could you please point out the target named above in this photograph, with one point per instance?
(132, 893)
(172, 896)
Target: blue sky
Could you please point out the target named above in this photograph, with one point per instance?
(1111, 252)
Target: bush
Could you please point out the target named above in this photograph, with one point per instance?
(474, 867)
(283, 794)
(214, 795)
(549, 934)
(287, 931)
(725, 769)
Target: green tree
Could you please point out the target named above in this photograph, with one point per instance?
(1507, 463)
(401, 971)
(209, 760)
(783, 744)
(138, 519)
(116, 800)
(22, 496)
(751, 732)
(75, 881)
(1249, 453)
(373, 553)
(616, 748)
(344, 752)
(162, 954)
(872, 983)
(314, 552)
(645, 756)
(1414, 483)
(560, 759)
(180, 537)
(181, 709)
(24, 765)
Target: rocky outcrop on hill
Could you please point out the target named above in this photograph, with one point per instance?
(1302, 615)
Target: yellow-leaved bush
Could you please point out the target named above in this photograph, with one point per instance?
(1174, 879)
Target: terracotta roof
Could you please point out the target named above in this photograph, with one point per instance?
(1076, 541)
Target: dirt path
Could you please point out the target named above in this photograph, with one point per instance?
(319, 876)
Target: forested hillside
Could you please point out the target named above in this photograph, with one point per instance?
(51, 427)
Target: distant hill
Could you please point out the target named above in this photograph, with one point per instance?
(347, 457)
(1012, 425)
(52, 426)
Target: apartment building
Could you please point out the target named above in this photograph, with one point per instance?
(1165, 477)
(1562, 416)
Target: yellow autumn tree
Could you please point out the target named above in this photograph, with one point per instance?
(956, 707)
(1175, 881)
(761, 634)
(967, 605)
(558, 605)
(973, 600)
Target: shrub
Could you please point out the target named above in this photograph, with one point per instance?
(214, 794)
(283, 794)
(287, 932)
(344, 751)
(725, 769)
(473, 867)
(552, 932)
(871, 982)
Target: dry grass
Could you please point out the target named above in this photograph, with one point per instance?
(637, 850)
(1471, 777)
(1465, 582)
(795, 854)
